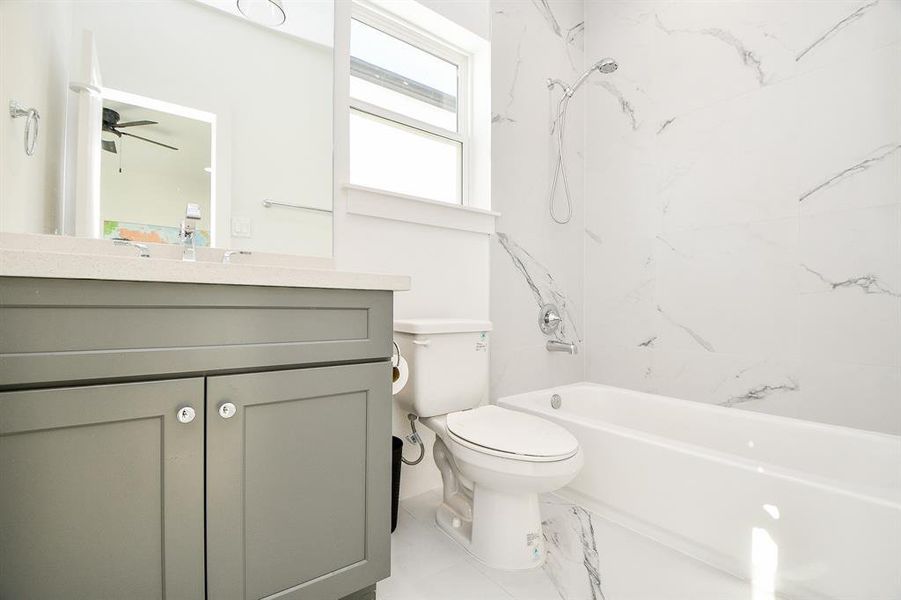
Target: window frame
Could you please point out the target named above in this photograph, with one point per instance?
(426, 42)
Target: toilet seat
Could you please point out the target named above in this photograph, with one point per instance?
(511, 434)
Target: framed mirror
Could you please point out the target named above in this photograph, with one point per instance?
(150, 110)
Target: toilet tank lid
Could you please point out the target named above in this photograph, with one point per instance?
(423, 326)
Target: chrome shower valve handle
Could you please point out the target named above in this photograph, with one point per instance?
(549, 319)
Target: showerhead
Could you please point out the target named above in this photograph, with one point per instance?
(606, 66)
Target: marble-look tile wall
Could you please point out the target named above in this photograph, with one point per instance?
(533, 261)
(742, 204)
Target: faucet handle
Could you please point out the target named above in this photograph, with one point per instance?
(144, 249)
(549, 319)
(227, 255)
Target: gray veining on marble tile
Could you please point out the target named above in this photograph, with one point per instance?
(857, 14)
(545, 10)
(665, 124)
(869, 283)
(740, 373)
(701, 341)
(575, 33)
(648, 343)
(760, 392)
(594, 236)
(514, 251)
(589, 551)
(542, 284)
(624, 104)
(504, 115)
(878, 154)
(748, 57)
(573, 40)
(572, 551)
(666, 243)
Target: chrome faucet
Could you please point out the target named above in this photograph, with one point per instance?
(549, 321)
(189, 232)
(189, 253)
(558, 346)
(144, 249)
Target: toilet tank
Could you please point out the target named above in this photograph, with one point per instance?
(448, 360)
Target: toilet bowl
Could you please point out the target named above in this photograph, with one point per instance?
(492, 482)
(493, 462)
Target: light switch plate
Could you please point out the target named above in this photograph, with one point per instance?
(242, 227)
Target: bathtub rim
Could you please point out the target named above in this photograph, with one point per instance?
(717, 409)
(889, 497)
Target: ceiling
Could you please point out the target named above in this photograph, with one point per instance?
(309, 20)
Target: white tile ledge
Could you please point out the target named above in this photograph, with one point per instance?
(381, 204)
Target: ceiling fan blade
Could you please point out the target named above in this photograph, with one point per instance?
(147, 140)
(136, 123)
(109, 146)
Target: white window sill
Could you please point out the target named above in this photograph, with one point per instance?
(401, 207)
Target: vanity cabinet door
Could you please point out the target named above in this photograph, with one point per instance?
(298, 482)
(101, 492)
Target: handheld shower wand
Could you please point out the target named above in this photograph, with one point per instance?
(606, 66)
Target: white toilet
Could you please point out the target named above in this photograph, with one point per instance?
(494, 462)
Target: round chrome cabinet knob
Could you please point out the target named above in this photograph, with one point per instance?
(227, 410)
(185, 414)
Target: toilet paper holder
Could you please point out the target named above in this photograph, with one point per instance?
(395, 365)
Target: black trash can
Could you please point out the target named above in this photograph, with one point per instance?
(397, 448)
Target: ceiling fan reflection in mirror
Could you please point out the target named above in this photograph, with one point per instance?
(112, 125)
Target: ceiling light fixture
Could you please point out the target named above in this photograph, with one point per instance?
(264, 12)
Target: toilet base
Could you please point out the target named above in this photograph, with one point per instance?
(505, 530)
(500, 528)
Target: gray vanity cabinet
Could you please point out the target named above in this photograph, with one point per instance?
(278, 486)
(296, 466)
(101, 492)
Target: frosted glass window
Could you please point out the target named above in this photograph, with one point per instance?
(397, 76)
(389, 156)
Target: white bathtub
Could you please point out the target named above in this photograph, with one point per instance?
(813, 510)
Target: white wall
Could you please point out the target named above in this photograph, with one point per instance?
(449, 267)
(743, 175)
(34, 51)
(529, 45)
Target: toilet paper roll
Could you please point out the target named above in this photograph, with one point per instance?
(399, 375)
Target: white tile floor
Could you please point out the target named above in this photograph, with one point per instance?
(428, 565)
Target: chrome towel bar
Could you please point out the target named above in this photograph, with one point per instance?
(270, 203)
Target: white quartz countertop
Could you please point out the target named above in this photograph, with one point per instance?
(29, 255)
